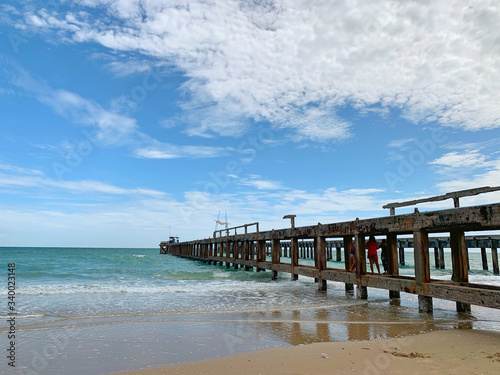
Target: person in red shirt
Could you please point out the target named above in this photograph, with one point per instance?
(372, 246)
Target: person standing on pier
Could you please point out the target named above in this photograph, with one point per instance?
(383, 255)
(372, 246)
(353, 258)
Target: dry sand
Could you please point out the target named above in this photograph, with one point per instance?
(456, 351)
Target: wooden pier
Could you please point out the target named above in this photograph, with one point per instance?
(250, 250)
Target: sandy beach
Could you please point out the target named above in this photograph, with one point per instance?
(458, 351)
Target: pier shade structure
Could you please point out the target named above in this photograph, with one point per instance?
(265, 250)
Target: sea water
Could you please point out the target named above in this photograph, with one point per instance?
(99, 281)
(128, 308)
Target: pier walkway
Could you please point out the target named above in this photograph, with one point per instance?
(250, 250)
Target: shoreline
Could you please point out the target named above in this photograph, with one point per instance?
(455, 351)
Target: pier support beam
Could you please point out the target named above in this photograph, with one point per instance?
(425, 304)
(349, 288)
(236, 253)
(402, 256)
(441, 258)
(261, 253)
(294, 255)
(320, 253)
(275, 256)
(247, 251)
(494, 258)
(484, 259)
(392, 261)
(460, 261)
(362, 291)
(339, 254)
(227, 252)
(422, 269)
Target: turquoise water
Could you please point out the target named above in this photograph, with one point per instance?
(81, 282)
(90, 281)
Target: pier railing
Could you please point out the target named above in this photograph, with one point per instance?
(250, 250)
(228, 230)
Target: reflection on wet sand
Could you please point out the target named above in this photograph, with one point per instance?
(362, 321)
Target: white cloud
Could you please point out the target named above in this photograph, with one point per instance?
(489, 176)
(467, 160)
(397, 146)
(490, 146)
(19, 170)
(331, 201)
(112, 128)
(141, 216)
(295, 63)
(260, 183)
(27, 178)
(168, 123)
(400, 143)
(159, 150)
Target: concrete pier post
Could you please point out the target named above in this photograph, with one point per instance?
(459, 261)
(294, 255)
(320, 255)
(484, 259)
(494, 258)
(236, 253)
(441, 258)
(402, 256)
(362, 291)
(247, 250)
(425, 304)
(349, 288)
(228, 252)
(261, 253)
(275, 256)
(392, 261)
(422, 269)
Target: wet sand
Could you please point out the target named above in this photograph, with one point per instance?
(457, 351)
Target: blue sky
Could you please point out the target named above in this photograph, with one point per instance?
(122, 121)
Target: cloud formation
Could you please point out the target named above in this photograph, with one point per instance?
(112, 128)
(20, 178)
(295, 64)
(471, 159)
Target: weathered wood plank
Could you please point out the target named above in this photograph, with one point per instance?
(307, 271)
(264, 265)
(464, 294)
(454, 195)
(282, 267)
